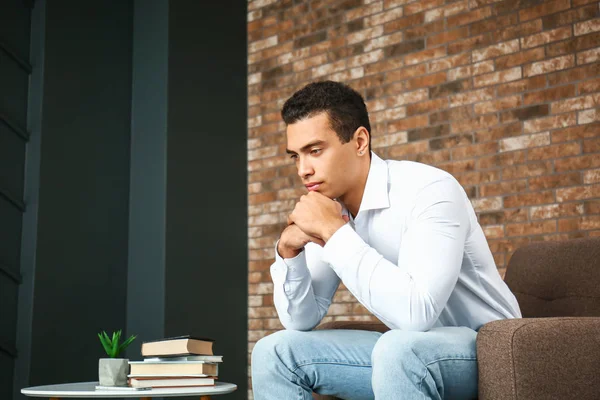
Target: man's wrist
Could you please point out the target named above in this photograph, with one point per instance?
(333, 228)
(286, 252)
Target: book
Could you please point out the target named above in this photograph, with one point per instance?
(178, 346)
(170, 382)
(122, 388)
(210, 359)
(172, 368)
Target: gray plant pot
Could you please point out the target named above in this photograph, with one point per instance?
(113, 371)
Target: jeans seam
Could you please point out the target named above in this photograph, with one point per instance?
(339, 362)
(436, 361)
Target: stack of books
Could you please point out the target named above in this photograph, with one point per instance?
(182, 361)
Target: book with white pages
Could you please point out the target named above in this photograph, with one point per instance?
(208, 359)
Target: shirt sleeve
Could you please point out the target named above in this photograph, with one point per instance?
(303, 288)
(412, 294)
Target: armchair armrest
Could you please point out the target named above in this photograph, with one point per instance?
(357, 325)
(539, 358)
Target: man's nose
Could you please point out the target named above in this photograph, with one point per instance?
(304, 168)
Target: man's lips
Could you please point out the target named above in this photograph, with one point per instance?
(313, 186)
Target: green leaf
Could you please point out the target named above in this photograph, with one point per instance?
(126, 343)
(105, 342)
(115, 344)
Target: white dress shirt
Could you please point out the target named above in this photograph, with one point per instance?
(415, 256)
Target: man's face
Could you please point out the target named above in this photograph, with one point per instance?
(324, 164)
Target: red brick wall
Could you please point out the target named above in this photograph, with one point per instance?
(505, 95)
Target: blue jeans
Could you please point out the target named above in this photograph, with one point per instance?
(352, 364)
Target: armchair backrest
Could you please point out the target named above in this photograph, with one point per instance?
(557, 279)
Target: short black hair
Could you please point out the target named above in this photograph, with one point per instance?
(345, 107)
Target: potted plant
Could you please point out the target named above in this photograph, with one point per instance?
(113, 371)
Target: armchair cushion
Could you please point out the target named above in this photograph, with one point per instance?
(539, 358)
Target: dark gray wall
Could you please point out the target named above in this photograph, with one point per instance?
(14, 85)
(81, 266)
(206, 257)
(135, 184)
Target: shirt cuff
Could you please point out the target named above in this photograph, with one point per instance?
(342, 246)
(290, 268)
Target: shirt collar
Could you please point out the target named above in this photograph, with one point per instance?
(376, 194)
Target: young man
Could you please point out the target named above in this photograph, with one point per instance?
(404, 239)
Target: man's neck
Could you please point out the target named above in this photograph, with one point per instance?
(353, 197)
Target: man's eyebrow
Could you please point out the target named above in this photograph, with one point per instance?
(306, 147)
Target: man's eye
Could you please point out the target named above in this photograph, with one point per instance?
(294, 157)
(315, 151)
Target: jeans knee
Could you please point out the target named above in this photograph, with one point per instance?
(394, 349)
(272, 349)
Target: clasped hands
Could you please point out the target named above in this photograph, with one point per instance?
(315, 219)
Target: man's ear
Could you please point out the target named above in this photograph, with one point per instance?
(362, 137)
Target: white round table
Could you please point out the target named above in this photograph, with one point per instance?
(88, 389)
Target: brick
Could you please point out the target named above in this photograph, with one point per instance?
(579, 224)
(556, 211)
(590, 86)
(448, 36)
(383, 41)
(546, 37)
(450, 88)
(452, 114)
(425, 55)
(471, 70)
(497, 77)
(496, 105)
(365, 34)
(570, 16)
(531, 228)
(474, 150)
(404, 48)
(487, 204)
(454, 8)
(469, 17)
(404, 22)
(552, 122)
(546, 8)
(400, 151)
(499, 132)
(576, 132)
(493, 232)
(588, 116)
(536, 82)
(451, 141)
(449, 62)
(526, 170)
(389, 140)
(520, 58)
(589, 56)
(503, 188)
(426, 107)
(577, 103)
(408, 72)
(496, 50)
(518, 31)
(428, 132)
(575, 74)
(544, 67)
(407, 98)
(591, 145)
(592, 206)
(422, 31)
(470, 43)
(528, 199)
(434, 157)
(426, 81)
(580, 162)
(548, 95)
(407, 123)
(527, 141)
(474, 124)
(422, 5)
(554, 151)
(583, 28)
(592, 176)
(386, 16)
(471, 97)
